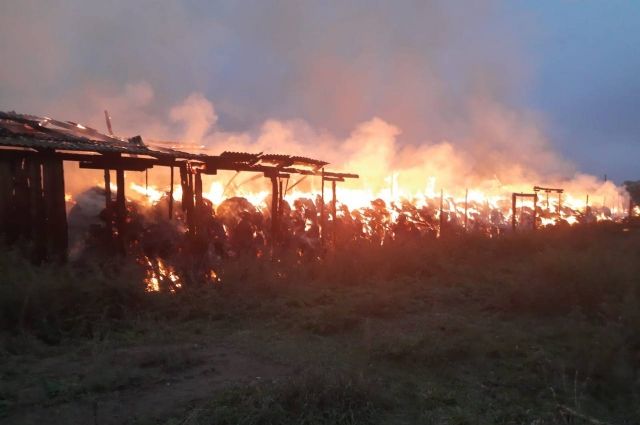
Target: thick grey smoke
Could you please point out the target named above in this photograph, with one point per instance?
(416, 64)
(419, 87)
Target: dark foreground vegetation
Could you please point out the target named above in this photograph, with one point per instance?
(537, 328)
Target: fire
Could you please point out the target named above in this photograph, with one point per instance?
(160, 274)
(468, 206)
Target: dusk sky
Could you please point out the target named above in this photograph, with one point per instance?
(570, 67)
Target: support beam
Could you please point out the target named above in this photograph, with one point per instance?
(514, 198)
(187, 197)
(55, 208)
(322, 221)
(36, 211)
(280, 195)
(121, 211)
(199, 203)
(275, 212)
(535, 212)
(513, 211)
(107, 188)
(6, 189)
(441, 211)
(171, 196)
(334, 214)
(20, 226)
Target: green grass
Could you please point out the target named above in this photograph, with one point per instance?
(314, 398)
(527, 328)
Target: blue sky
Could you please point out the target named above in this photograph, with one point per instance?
(587, 80)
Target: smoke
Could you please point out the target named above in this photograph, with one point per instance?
(421, 95)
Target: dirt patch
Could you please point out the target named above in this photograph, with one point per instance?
(154, 387)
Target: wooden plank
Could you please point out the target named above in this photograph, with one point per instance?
(199, 203)
(6, 189)
(121, 211)
(171, 196)
(513, 211)
(107, 188)
(322, 207)
(19, 219)
(334, 211)
(187, 196)
(36, 210)
(55, 208)
(275, 213)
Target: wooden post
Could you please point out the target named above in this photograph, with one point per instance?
(535, 210)
(107, 188)
(36, 211)
(199, 203)
(548, 206)
(55, 208)
(586, 206)
(559, 204)
(187, 196)
(513, 212)
(441, 211)
(6, 189)
(322, 207)
(280, 196)
(20, 225)
(121, 210)
(466, 206)
(274, 210)
(334, 213)
(171, 196)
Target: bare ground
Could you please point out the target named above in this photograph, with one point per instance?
(139, 384)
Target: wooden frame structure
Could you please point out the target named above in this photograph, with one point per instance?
(514, 199)
(32, 195)
(549, 190)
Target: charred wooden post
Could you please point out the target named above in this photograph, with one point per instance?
(20, 226)
(107, 188)
(6, 190)
(514, 198)
(55, 208)
(548, 190)
(535, 211)
(441, 211)
(171, 195)
(275, 213)
(322, 207)
(198, 219)
(513, 211)
(586, 206)
(36, 211)
(560, 204)
(280, 196)
(121, 210)
(333, 211)
(187, 196)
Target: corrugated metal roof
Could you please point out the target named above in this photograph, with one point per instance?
(39, 133)
(29, 131)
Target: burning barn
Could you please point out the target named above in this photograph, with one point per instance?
(32, 180)
(185, 227)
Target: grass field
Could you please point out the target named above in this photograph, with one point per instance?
(530, 329)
